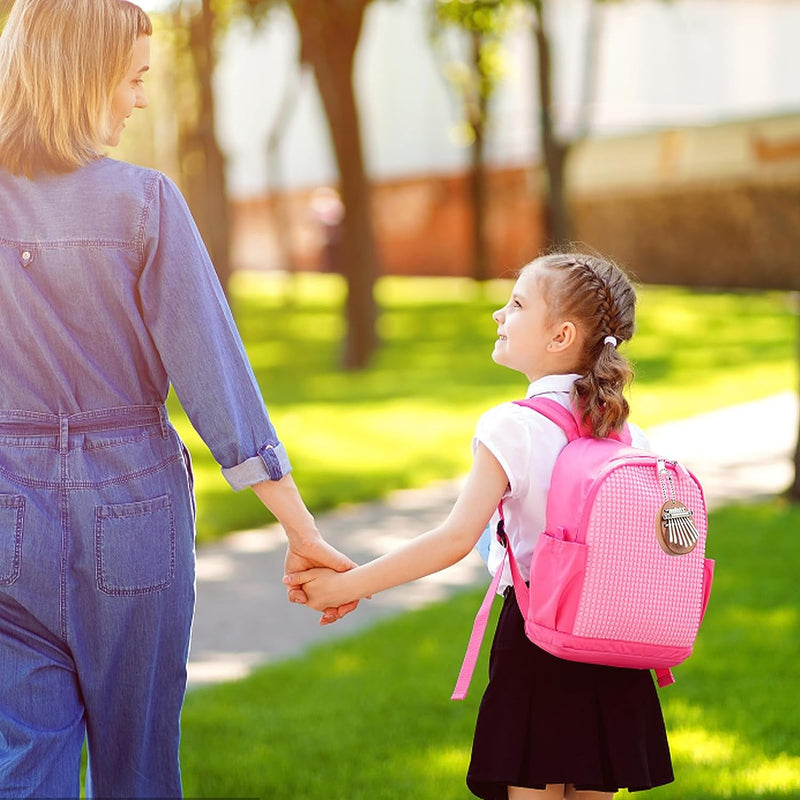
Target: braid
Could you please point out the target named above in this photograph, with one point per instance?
(597, 296)
(589, 273)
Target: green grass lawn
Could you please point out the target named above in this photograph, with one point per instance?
(369, 718)
(409, 419)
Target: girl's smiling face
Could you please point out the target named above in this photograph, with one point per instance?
(528, 339)
(130, 93)
(522, 327)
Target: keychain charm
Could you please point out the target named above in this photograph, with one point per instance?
(675, 529)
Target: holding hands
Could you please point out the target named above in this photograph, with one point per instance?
(324, 590)
(302, 567)
(307, 548)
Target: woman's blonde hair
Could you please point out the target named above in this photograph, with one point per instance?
(60, 62)
(599, 298)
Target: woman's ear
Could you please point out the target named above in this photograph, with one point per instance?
(564, 336)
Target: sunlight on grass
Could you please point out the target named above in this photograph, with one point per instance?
(728, 765)
(346, 664)
(701, 747)
(393, 289)
(447, 763)
(776, 621)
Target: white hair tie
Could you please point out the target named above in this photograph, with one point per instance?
(612, 340)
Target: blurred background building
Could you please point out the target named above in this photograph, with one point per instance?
(686, 117)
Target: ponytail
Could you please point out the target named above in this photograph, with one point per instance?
(598, 393)
(598, 297)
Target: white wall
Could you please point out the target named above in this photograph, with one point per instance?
(660, 64)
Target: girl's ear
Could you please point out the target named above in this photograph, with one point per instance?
(564, 336)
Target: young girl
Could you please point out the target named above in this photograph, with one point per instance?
(547, 728)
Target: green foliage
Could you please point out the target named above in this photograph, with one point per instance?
(409, 418)
(475, 73)
(479, 16)
(369, 717)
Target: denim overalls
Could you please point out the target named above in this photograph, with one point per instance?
(106, 296)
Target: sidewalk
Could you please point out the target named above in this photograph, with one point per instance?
(243, 618)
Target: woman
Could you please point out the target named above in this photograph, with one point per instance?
(108, 296)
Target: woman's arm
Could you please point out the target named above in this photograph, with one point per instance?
(307, 548)
(188, 317)
(432, 551)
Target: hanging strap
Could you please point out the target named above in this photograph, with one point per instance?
(482, 617)
(664, 676)
(476, 637)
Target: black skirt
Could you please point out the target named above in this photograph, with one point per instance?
(546, 720)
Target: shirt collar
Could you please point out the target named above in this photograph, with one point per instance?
(553, 384)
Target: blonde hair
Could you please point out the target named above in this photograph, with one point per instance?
(60, 62)
(599, 298)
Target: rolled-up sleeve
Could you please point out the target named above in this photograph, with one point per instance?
(190, 322)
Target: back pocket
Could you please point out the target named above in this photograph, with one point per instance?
(12, 516)
(135, 546)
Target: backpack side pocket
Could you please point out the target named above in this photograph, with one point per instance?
(557, 569)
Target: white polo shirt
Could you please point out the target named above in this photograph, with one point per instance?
(526, 445)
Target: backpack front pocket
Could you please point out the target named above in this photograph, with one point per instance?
(135, 546)
(557, 569)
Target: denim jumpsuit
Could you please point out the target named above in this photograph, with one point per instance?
(107, 296)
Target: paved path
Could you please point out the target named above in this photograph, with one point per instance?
(243, 619)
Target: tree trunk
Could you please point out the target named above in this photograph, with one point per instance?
(202, 161)
(477, 169)
(329, 32)
(554, 151)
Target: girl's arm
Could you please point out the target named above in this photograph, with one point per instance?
(432, 551)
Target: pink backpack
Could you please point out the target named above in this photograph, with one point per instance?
(619, 576)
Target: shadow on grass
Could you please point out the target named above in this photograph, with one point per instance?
(370, 717)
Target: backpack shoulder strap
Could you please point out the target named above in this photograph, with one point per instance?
(555, 412)
(566, 420)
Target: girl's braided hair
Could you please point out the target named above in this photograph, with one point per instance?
(597, 296)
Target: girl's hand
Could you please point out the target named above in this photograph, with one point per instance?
(318, 552)
(324, 588)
